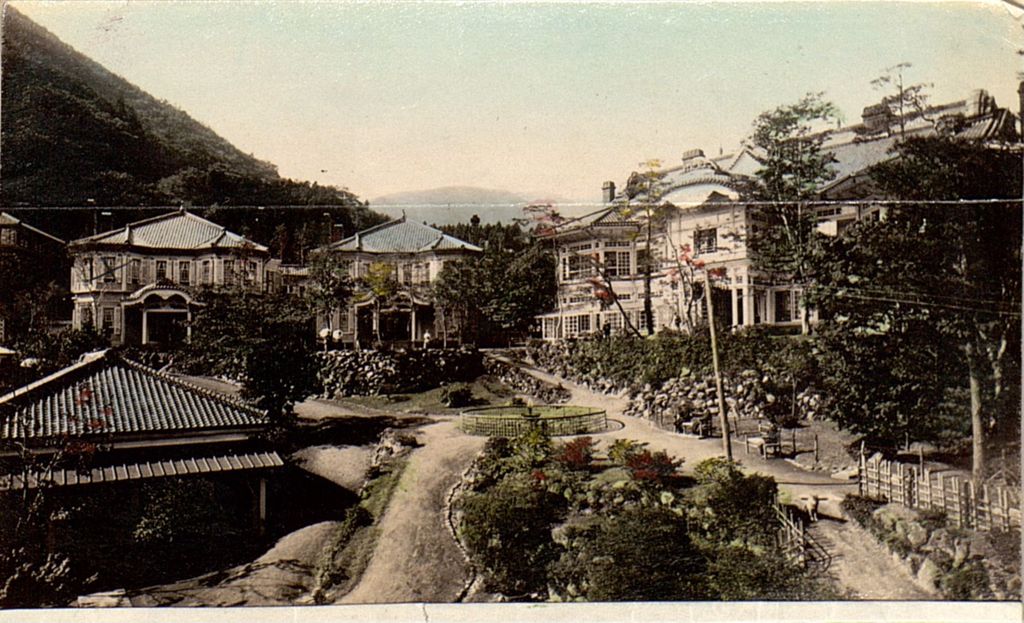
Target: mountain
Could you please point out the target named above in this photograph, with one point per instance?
(449, 205)
(73, 133)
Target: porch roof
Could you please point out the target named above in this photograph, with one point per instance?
(144, 470)
(105, 394)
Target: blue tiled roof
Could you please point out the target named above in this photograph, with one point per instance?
(107, 395)
(401, 236)
(175, 230)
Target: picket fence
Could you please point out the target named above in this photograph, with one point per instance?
(982, 508)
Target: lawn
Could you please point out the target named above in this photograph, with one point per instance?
(486, 391)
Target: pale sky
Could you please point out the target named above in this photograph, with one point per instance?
(542, 99)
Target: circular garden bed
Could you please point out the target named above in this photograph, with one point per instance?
(552, 419)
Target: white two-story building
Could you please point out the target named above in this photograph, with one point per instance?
(704, 225)
(137, 283)
(413, 255)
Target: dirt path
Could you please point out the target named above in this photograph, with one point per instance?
(863, 566)
(860, 564)
(792, 479)
(416, 558)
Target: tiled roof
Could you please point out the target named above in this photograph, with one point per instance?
(175, 230)
(145, 469)
(401, 236)
(8, 219)
(107, 395)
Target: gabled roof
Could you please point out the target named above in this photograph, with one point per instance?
(179, 230)
(8, 219)
(105, 394)
(401, 236)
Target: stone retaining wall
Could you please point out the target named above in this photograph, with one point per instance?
(371, 372)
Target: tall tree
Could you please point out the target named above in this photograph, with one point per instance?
(329, 285)
(903, 101)
(650, 212)
(382, 282)
(794, 165)
(941, 275)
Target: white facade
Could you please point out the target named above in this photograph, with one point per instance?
(136, 284)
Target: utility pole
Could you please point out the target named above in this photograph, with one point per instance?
(722, 415)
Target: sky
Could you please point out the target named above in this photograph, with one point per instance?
(543, 99)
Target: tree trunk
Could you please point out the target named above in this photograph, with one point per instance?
(648, 308)
(977, 416)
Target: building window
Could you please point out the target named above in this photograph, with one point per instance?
(183, 270)
(85, 316)
(407, 274)
(250, 273)
(108, 320)
(705, 240)
(613, 320)
(207, 272)
(8, 237)
(135, 272)
(577, 325)
(616, 263)
(783, 306)
(229, 272)
(109, 267)
(161, 270)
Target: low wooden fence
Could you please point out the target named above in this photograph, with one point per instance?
(796, 544)
(982, 508)
(513, 421)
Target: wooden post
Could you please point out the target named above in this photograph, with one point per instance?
(722, 416)
(816, 448)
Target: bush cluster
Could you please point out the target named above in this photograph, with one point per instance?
(628, 362)
(554, 521)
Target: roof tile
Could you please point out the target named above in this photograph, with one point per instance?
(175, 230)
(109, 395)
(401, 236)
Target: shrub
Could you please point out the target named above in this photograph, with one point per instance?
(860, 508)
(507, 531)
(641, 554)
(729, 506)
(576, 454)
(531, 449)
(457, 395)
(968, 582)
(655, 468)
(737, 573)
(621, 450)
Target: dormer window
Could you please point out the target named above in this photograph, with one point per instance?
(705, 240)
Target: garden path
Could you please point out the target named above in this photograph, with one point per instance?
(860, 564)
(416, 558)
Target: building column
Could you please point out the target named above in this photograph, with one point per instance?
(188, 324)
(412, 325)
(145, 326)
(748, 304)
(733, 292)
(263, 506)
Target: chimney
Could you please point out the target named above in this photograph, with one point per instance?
(608, 188)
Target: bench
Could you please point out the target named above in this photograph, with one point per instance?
(767, 441)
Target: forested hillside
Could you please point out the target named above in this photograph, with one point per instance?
(75, 134)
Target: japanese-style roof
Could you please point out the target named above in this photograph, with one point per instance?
(401, 236)
(7, 219)
(105, 394)
(144, 470)
(179, 230)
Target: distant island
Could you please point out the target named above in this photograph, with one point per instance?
(457, 204)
